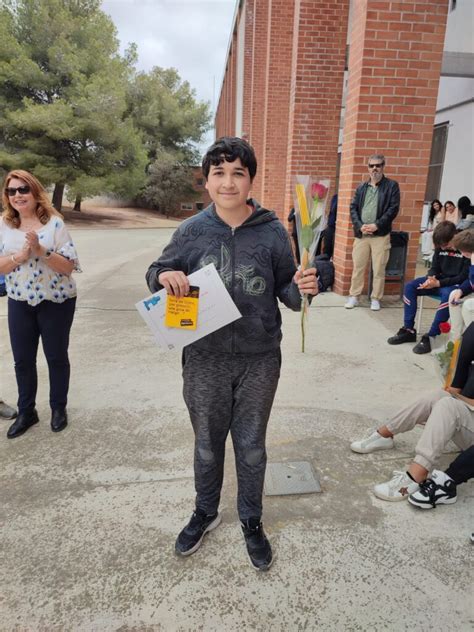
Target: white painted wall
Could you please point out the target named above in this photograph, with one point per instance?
(458, 171)
(459, 29)
(454, 90)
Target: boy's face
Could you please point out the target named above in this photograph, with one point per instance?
(229, 185)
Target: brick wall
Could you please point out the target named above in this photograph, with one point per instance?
(258, 84)
(294, 56)
(319, 44)
(248, 65)
(273, 161)
(394, 69)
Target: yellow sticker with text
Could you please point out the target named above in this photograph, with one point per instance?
(182, 313)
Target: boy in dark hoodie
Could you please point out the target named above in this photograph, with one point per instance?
(230, 376)
(449, 269)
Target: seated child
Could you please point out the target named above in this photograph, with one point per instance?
(461, 312)
(448, 271)
(446, 414)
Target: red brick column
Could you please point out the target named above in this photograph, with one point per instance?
(319, 44)
(232, 83)
(248, 65)
(257, 101)
(272, 164)
(222, 108)
(394, 69)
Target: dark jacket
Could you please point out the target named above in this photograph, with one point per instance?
(388, 205)
(449, 267)
(256, 264)
(464, 375)
(467, 287)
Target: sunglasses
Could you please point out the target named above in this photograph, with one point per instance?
(11, 191)
(376, 165)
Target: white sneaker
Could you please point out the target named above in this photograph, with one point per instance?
(399, 488)
(372, 443)
(439, 489)
(352, 302)
(375, 305)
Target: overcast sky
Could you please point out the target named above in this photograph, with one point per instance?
(189, 35)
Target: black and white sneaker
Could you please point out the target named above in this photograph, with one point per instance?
(258, 546)
(190, 538)
(440, 489)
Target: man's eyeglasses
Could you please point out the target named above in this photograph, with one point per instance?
(376, 165)
(23, 190)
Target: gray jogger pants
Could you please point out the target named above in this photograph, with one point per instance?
(230, 393)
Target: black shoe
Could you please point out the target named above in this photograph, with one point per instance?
(190, 538)
(22, 423)
(258, 546)
(402, 335)
(424, 346)
(58, 419)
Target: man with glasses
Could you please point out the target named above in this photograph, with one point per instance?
(374, 207)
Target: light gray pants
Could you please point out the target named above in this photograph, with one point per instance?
(461, 316)
(444, 418)
(233, 393)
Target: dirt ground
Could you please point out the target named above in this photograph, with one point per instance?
(94, 217)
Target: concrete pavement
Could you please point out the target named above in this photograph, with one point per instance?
(89, 516)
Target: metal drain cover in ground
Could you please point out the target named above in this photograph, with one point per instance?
(295, 477)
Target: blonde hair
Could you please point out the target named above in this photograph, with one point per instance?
(44, 208)
(464, 240)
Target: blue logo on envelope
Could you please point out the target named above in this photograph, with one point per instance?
(151, 302)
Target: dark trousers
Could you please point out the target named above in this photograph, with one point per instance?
(410, 296)
(462, 468)
(226, 393)
(52, 323)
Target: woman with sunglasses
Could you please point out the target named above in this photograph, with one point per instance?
(37, 257)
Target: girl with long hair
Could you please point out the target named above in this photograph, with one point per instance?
(435, 216)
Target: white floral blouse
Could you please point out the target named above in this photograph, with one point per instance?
(34, 281)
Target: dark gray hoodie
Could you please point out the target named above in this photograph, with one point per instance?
(256, 264)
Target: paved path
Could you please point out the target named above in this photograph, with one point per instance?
(89, 516)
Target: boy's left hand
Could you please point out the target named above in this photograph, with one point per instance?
(306, 281)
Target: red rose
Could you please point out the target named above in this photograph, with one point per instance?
(318, 190)
(444, 328)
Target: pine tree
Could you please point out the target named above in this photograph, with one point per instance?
(63, 98)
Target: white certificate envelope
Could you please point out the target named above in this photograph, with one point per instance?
(216, 309)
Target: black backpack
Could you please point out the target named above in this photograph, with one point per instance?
(325, 269)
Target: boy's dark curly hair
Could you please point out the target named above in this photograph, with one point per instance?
(229, 148)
